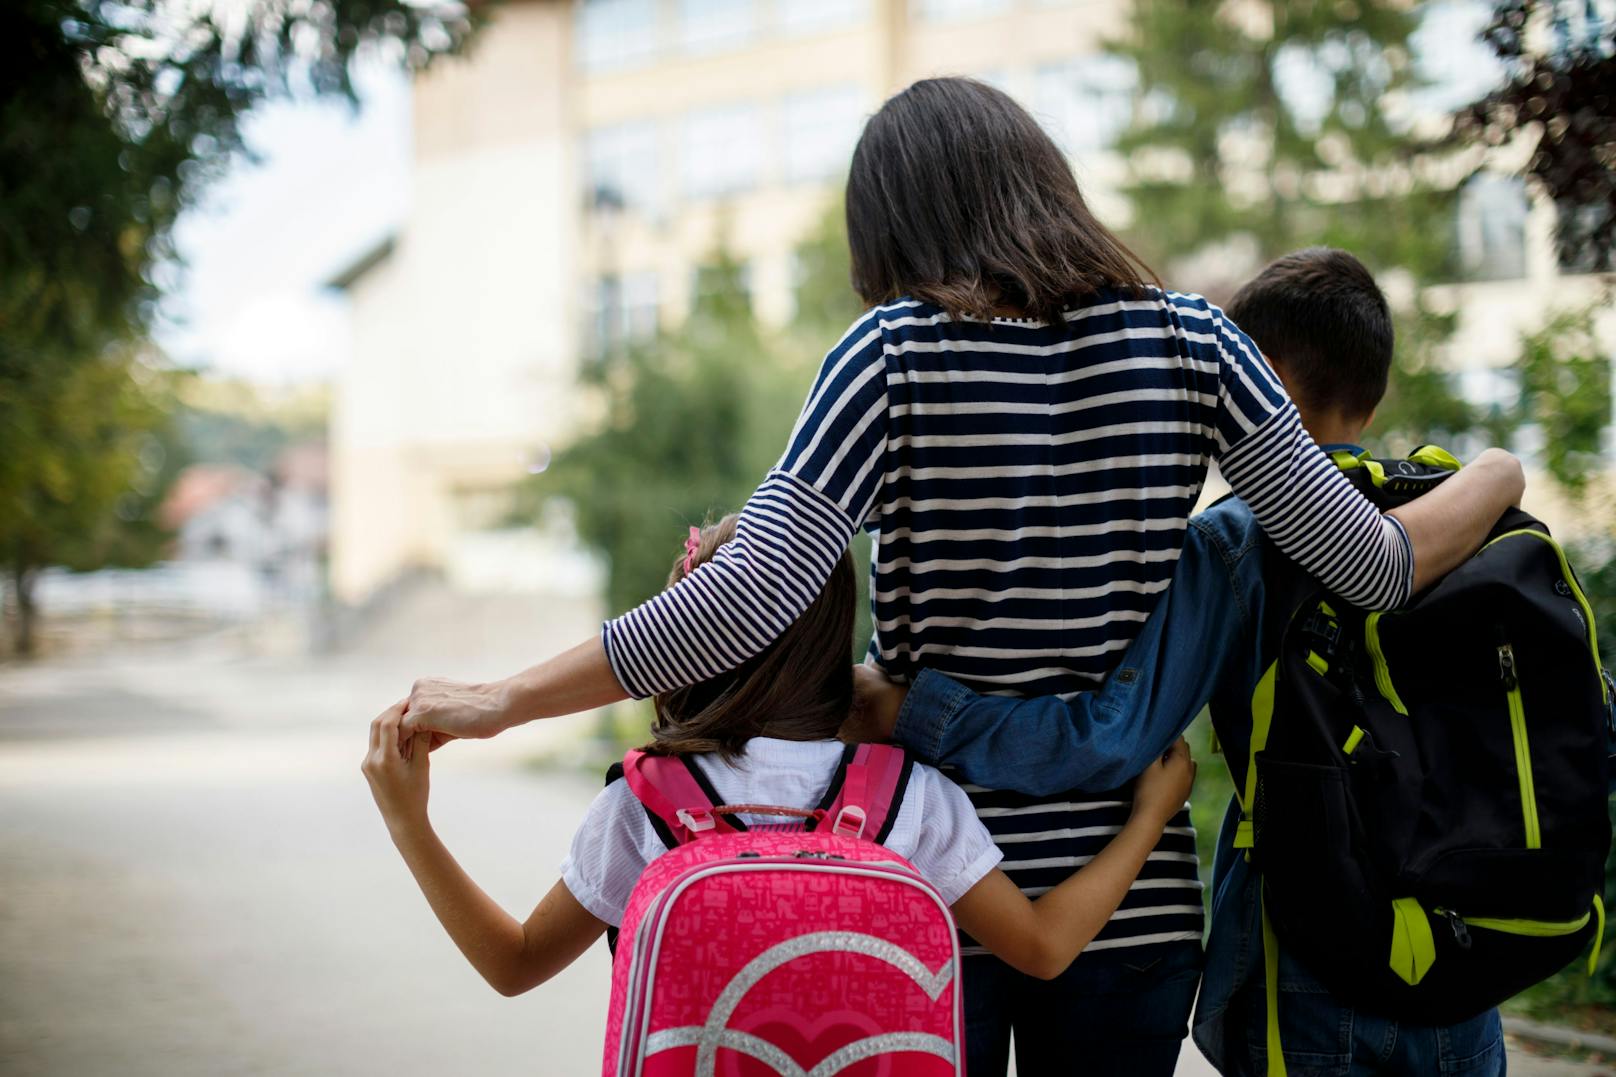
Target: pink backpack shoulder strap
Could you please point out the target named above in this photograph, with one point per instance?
(677, 796)
(863, 801)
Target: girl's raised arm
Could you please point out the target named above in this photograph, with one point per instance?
(512, 956)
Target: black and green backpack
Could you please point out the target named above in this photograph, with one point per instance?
(1425, 796)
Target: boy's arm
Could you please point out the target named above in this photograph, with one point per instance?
(513, 957)
(1041, 938)
(1097, 740)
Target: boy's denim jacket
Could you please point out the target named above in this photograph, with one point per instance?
(1202, 640)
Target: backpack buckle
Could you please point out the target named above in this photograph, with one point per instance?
(850, 822)
(696, 821)
(1323, 627)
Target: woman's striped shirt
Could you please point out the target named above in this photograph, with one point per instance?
(1028, 485)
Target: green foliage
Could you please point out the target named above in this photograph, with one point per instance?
(114, 114)
(693, 420)
(223, 421)
(87, 460)
(825, 301)
(1565, 390)
(1219, 152)
(1567, 85)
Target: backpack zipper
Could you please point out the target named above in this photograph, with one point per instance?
(1576, 591)
(1538, 929)
(1541, 929)
(1523, 749)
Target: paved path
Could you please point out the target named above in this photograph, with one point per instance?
(195, 882)
(222, 899)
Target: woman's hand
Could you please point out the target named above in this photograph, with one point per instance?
(398, 773)
(1165, 785)
(452, 709)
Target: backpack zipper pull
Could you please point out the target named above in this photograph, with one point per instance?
(1506, 667)
(1461, 933)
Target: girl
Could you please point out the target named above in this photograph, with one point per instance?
(763, 733)
(1025, 420)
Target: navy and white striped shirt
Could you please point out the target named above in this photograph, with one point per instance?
(1028, 485)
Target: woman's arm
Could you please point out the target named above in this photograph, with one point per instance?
(790, 535)
(1305, 504)
(1041, 938)
(1448, 525)
(513, 957)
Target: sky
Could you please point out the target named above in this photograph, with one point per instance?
(328, 183)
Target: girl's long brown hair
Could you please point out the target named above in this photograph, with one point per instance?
(957, 197)
(800, 687)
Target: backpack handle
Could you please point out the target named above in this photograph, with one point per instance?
(673, 795)
(862, 801)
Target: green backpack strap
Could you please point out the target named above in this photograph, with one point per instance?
(1262, 717)
(1270, 952)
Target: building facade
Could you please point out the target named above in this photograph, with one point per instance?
(578, 168)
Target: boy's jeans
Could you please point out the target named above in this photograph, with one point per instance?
(1321, 1038)
(1114, 1013)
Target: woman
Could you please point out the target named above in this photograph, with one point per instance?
(1025, 420)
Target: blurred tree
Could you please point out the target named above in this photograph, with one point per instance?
(85, 468)
(825, 303)
(1562, 95)
(694, 419)
(692, 422)
(115, 113)
(113, 116)
(1267, 126)
(1566, 392)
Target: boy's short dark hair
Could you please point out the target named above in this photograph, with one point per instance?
(1320, 314)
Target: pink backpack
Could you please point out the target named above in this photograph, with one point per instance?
(793, 950)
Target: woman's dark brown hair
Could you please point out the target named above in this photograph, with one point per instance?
(800, 687)
(957, 197)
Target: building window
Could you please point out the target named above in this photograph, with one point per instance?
(722, 151)
(620, 167)
(625, 310)
(939, 10)
(1085, 103)
(1492, 228)
(615, 33)
(715, 25)
(818, 16)
(820, 129)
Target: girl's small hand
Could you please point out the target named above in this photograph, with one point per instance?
(397, 772)
(1165, 785)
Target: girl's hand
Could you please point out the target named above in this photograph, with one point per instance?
(397, 772)
(1165, 785)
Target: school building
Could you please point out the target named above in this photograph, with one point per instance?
(574, 171)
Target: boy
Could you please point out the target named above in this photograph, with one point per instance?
(1324, 325)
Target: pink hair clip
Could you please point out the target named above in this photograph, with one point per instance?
(692, 548)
